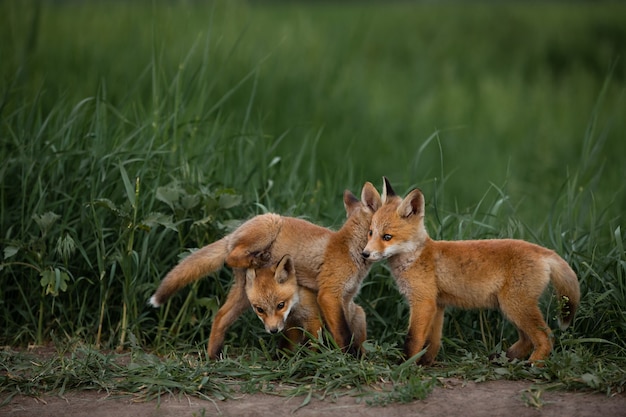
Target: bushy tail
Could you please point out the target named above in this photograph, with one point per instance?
(202, 262)
(567, 289)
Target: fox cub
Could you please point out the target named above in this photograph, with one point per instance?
(500, 273)
(326, 262)
(282, 304)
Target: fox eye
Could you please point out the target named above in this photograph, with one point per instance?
(370, 233)
(280, 305)
(387, 237)
(259, 310)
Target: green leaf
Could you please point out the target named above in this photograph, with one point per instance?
(128, 186)
(591, 380)
(10, 251)
(231, 225)
(61, 279)
(619, 241)
(46, 277)
(54, 281)
(158, 219)
(46, 220)
(502, 371)
(208, 302)
(227, 201)
(190, 201)
(169, 194)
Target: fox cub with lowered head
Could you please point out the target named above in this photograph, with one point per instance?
(324, 260)
(282, 304)
(499, 273)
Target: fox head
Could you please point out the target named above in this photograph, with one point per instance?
(359, 213)
(273, 292)
(397, 226)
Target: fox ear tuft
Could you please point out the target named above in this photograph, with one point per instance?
(370, 197)
(412, 205)
(388, 191)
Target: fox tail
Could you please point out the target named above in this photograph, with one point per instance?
(567, 288)
(202, 262)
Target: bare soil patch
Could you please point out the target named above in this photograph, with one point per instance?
(515, 398)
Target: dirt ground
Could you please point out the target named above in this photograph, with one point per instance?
(513, 398)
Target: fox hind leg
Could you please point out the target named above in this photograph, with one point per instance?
(251, 249)
(335, 319)
(358, 325)
(520, 349)
(533, 331)
(541, 337)
(235, 305)
(241, 256)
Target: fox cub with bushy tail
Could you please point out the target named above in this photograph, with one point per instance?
(257, 243)
(498, 273)
(325, 261)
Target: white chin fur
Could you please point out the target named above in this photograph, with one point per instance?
(377, 256)
(405, 247)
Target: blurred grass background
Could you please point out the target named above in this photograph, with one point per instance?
(130, 131)
(509, 88)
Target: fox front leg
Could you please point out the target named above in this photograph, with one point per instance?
(422, 318)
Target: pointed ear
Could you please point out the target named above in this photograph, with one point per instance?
(413, 204)
(388, 192)
(370, 197)
(284, 270)
(250, 277)
(350, 202)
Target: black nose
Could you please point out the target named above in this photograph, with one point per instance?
(365, 254)
(273, 331)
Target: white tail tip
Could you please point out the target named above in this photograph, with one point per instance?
(153, 302)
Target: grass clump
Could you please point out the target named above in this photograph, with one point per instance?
(325, 373)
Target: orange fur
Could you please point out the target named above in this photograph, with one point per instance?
(324, 260)
(344, 270)
(282, 304)
(499, 273)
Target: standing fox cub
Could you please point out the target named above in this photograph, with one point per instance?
(282, 304)
(500, 273)
(324, 261)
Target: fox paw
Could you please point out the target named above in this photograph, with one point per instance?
(260, 259)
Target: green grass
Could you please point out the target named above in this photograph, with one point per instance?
(130, 133)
